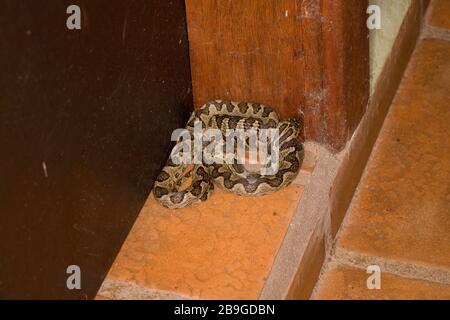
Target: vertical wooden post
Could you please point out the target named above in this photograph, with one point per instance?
(346, 68)
(306, 58)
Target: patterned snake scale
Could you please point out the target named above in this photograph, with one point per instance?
(235, 178)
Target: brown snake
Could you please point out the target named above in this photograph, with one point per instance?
(233, 177)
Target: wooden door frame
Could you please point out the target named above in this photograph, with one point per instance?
(307, 58)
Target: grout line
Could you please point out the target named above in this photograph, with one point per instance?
(403, 269)
(330, 261)
(328, 264)
(127, 290)
(429, 32)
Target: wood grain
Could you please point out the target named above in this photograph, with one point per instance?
(256, 51)
(275, 52)
(346, 68)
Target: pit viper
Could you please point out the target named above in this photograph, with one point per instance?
(232, 176)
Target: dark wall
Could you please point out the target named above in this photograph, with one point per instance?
(85, 124)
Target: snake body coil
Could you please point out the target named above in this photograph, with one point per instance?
(233, 177)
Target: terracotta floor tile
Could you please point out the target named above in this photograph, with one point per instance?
(222, 248)
(402, 207)
(439, 15)
(344, 283)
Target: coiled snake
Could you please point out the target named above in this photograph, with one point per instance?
(232, 176)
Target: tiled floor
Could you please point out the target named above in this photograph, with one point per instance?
(223, 248)
(402, 209)
(439, 16)
(400, 215)
(347, 283)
